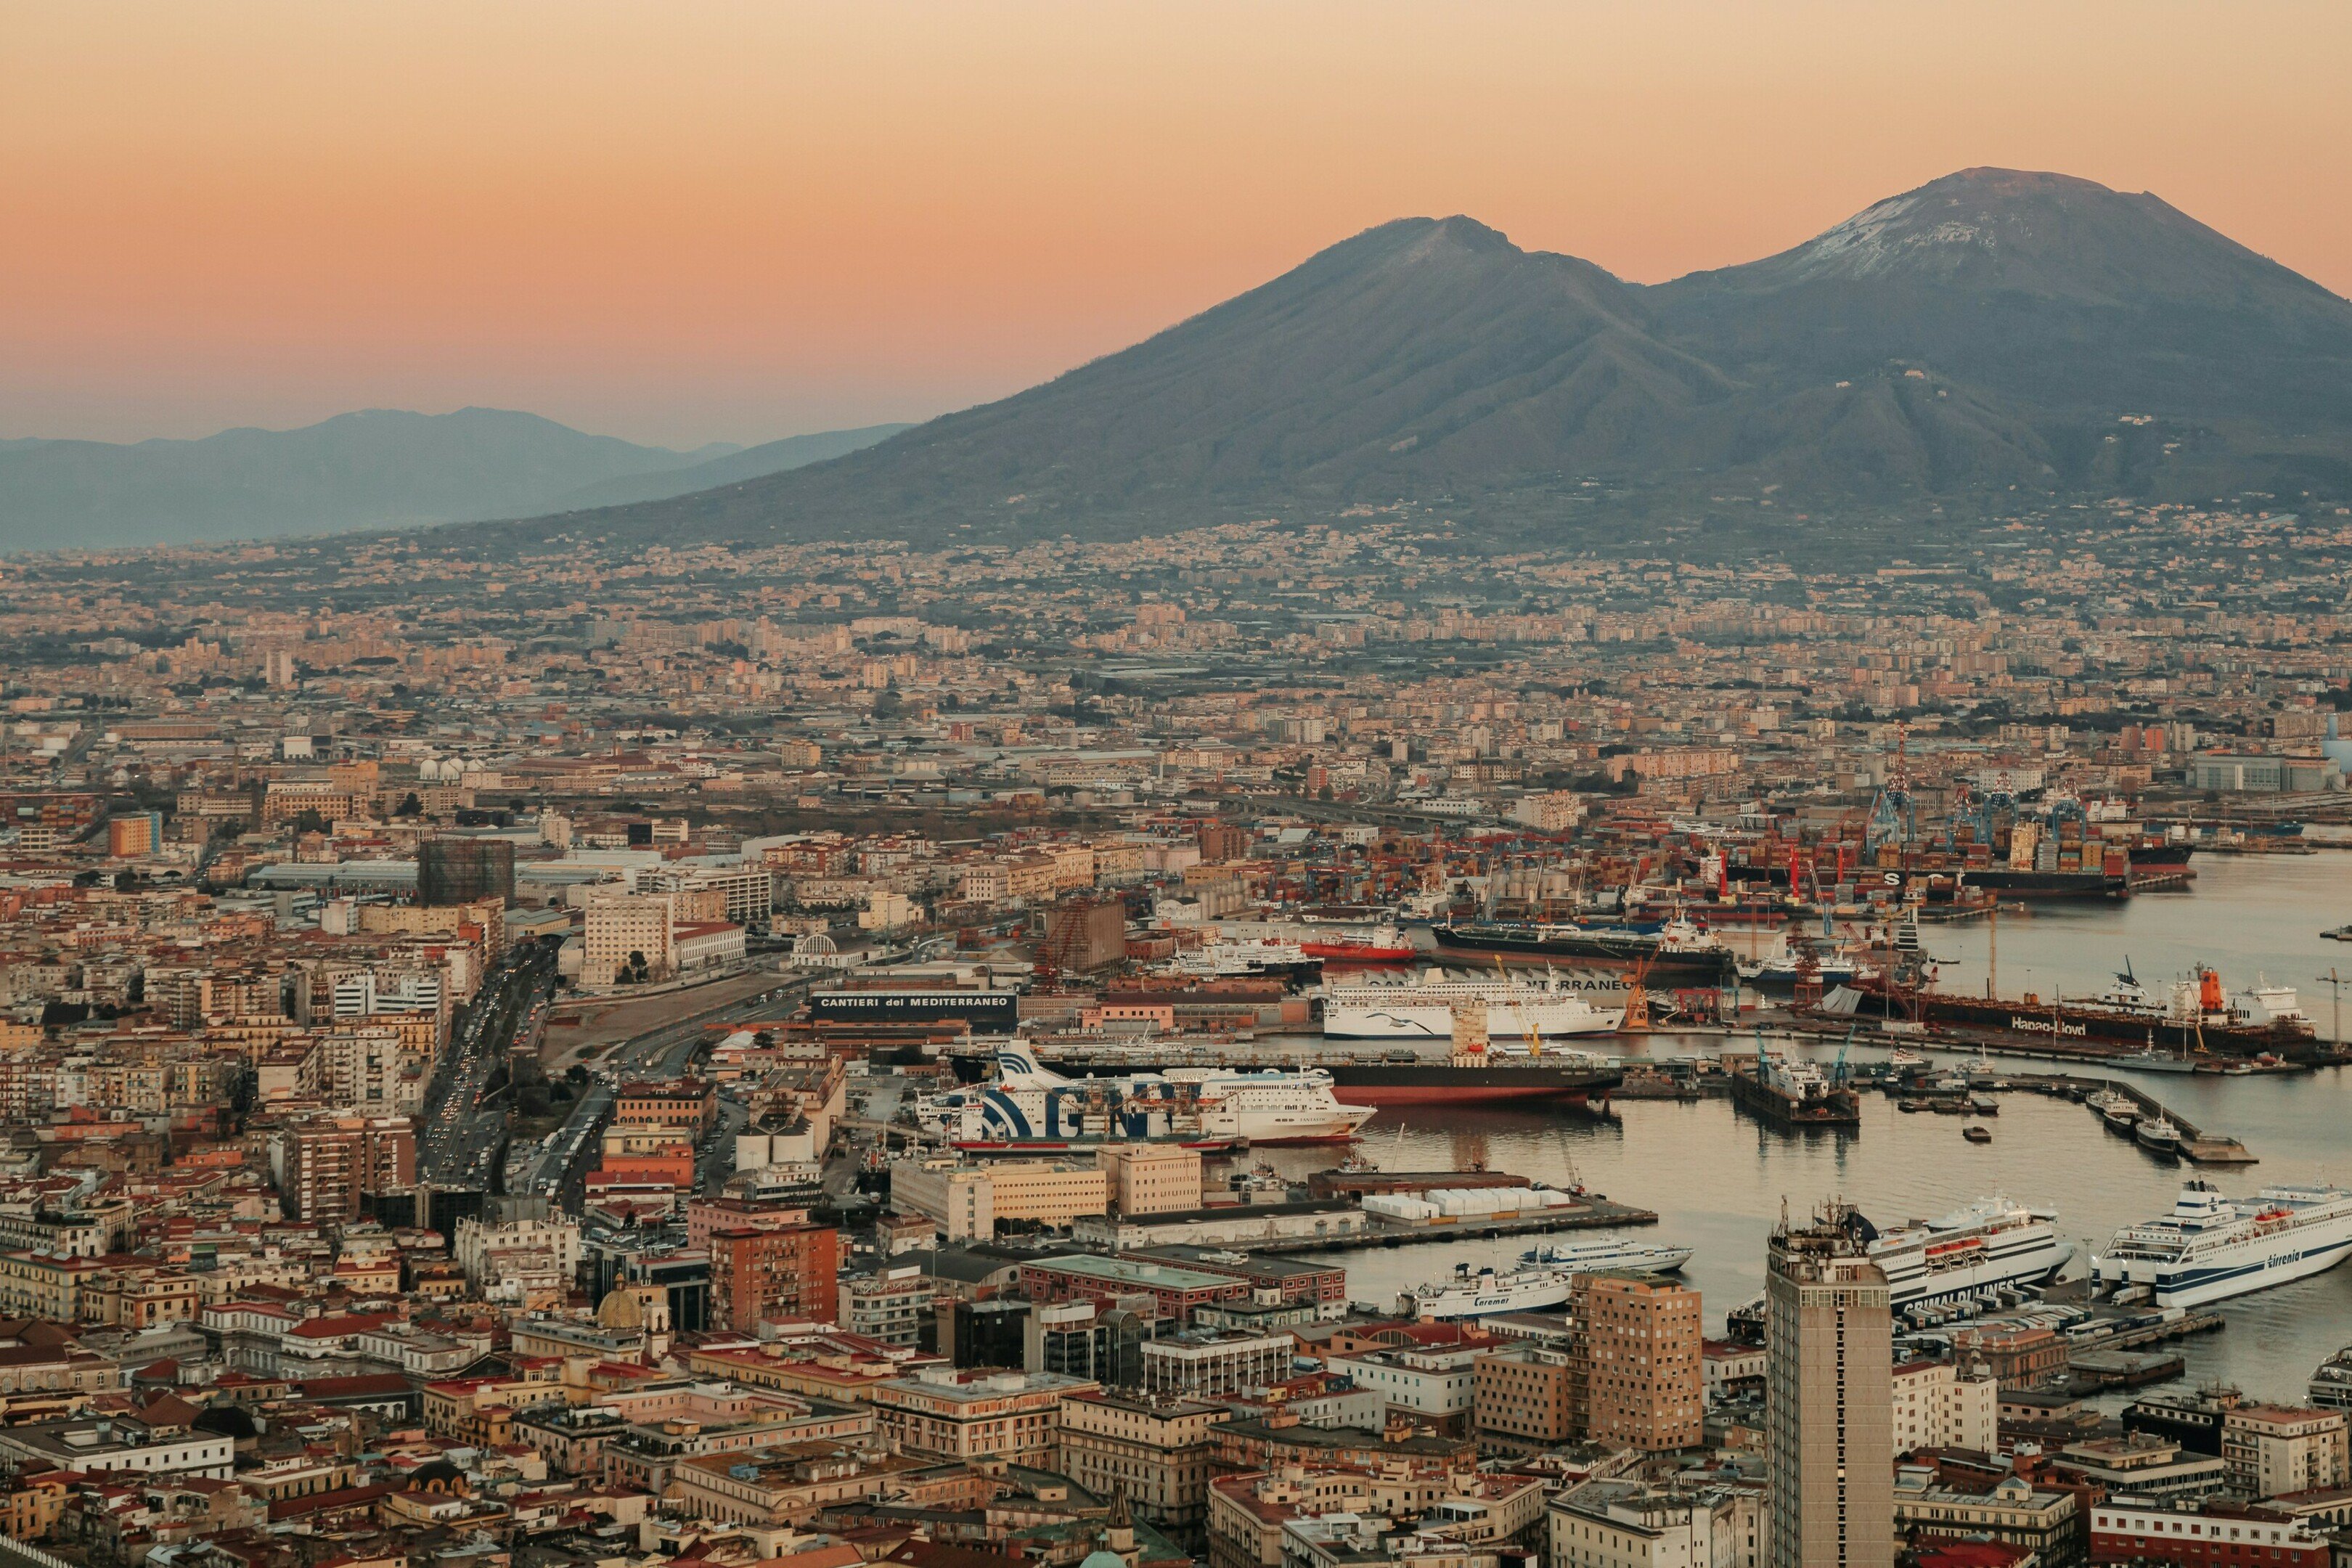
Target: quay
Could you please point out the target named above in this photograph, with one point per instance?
(1588, 1214)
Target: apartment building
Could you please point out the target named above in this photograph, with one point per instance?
(1634, 1372)
(787, 1274)
(1153, 1450)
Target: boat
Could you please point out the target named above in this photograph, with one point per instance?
(1337, 943)
(1984, 1105)
(1029, 1106)
(1542, 1279)
(2338, 934)
(1990, 1242)
(2196, 1015)
(1975, 1134)
(1551, 1008)
(2154, 1060)
(2331, 1386)
(1585, 1256)
(2158, 1133)
(1663, 948)
(1476, 1294)
(1235, 960)
(1912, 1104)
(1477, 1073)
(1791, 1092)
(2117, 1110)
(2210, 1248)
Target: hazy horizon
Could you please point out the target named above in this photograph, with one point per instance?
(719, 226)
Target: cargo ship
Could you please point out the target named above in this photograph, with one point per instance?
(1792, 1093)
(2196, 1016)
(1673, 948)
(1577, 1081)
(1475, 1074)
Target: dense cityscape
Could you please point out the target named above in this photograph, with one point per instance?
(1041, 786)
(764, 1054)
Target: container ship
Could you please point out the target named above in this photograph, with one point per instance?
(1474, 1074)
(1665, 948)
(2262, 1018)
(2210, 1247)
(1792, 1093)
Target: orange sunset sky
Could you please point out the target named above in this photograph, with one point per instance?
(683, 221)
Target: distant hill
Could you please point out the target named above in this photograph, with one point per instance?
(732, 468)
(357, 470)
(1992, 330)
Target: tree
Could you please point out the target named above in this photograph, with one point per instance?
(410, 806)
(310, 821)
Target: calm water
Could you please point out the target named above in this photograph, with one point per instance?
(1718, 1180)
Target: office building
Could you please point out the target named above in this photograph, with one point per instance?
(1828, 1400)
(1152, 1178)
(1634, 1377)
(465, 871)
(2273, 1449)
(787, 1274)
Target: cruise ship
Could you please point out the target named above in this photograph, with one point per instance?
(2210, 1248)
(1030, 1107)
(1422, 1009)
(1990, 1242)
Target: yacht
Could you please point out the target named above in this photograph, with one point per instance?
(2210, 1248)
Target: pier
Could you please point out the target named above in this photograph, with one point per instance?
(1589, 1214)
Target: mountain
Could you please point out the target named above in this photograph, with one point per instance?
(732, 468)
(355, 471)
(1990, 331)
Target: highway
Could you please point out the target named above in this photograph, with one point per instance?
(559, 1169)
(463, 1120)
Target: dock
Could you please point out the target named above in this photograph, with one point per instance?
(1589, 1214)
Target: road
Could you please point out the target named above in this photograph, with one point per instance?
(559, 1169)
(462, 1120)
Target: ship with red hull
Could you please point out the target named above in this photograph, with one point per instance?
(1578, 1083)
(2195, 1020)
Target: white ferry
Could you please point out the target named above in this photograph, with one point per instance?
(2210, 1248)
(1422, 1009)
(1028, 1103)
(1540, 1281)
(1990, 1242)
(1585, 1256)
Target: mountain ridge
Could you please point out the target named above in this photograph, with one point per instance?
(1990, 333)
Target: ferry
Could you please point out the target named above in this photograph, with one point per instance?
(1585, 1256)
(1422, 1009)
(1990, 1242)
(1538, 1282)
(2210, 1248)
(1232, 960)
(1029, 1105)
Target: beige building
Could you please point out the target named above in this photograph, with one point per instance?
(1635, 1378)
(618, 929)
(2273, 1449)
(1829, 1402)
(1937, 1406)
(966, 1200)
(1154, 1451)
(1152, 1178)
(1519, 1397)
(1015, 1417)
(1631, 1524)
(781, 1486)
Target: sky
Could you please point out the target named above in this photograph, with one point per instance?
(690, 221)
